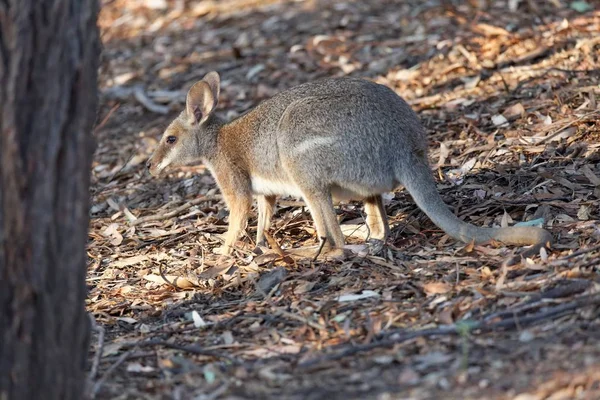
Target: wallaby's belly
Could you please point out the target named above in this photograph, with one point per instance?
(358, 191)
(349, 191)
(274, 186)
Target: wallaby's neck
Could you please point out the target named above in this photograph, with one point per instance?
(241, 124)
(207, 138)
(240, 128)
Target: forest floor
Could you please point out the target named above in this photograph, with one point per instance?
(509, 93)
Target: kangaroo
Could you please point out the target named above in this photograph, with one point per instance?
(331, 140)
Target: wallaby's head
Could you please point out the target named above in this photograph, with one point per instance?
(192, 135)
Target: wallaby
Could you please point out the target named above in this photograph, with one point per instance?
(324, 141)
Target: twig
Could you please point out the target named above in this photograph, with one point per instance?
(530, 199)
(581, 252)
(291, 203)
(550, 296)
(446, 330)
(175, 212)
(565, 126)
(301, 319)
(112, 368)
(216, 393)
(188, 349)
(140, 96)
(323, 240)
(162, 275)
(106, 118)
(182, 208)
(393, 338)
(99, 350)
(113, 176)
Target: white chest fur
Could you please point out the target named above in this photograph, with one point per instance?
(264, 186)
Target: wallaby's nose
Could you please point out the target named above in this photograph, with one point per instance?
(148, 164)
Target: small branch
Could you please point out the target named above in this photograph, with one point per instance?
(299, 318)
(162, 275)
(99, 349)
(323, 240)
(106, 118)
(141, 96)
(291, 203)
(195, 202)
(565, 126)
(113, 176)
(393, 338)
(98, 385)
(175, 212)
(188, 349)
(581, 252)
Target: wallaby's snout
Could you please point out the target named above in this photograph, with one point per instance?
(149, 165)
(172, 149)
(162, 157)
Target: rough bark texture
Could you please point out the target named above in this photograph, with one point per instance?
(48, 68)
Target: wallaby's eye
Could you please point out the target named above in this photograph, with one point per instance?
(171, 139)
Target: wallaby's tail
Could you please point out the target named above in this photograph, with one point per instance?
(420, 184)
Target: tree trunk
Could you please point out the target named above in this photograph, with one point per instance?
(48, 93)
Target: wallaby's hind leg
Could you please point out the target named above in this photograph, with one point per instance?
(266, 205)
(377, 222)
(321, 209)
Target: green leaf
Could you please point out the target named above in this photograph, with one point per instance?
(533, 222)
(581, 6)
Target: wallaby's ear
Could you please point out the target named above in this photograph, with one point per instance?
(200, 102)
(214, 82)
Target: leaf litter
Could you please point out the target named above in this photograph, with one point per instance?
(509, 94)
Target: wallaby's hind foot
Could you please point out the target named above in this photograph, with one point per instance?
(321, 208)
(266, 207)
(320, 253)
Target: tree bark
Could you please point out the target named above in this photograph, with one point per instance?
(48, 93)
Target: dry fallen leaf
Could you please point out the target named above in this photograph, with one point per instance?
(499, 120)
(354, 297)
(432, 288)
(113, 234)
(126, 262)
(515, 111)
(178, 281)
(303, 286)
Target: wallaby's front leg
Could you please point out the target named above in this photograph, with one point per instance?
(266, 205)
(239, 206)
